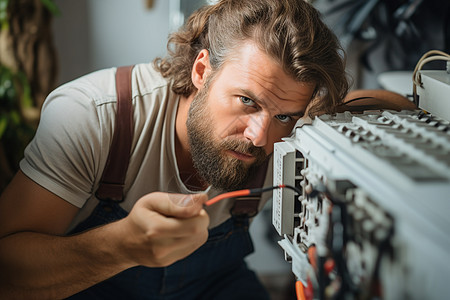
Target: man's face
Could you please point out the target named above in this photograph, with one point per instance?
(235, 119)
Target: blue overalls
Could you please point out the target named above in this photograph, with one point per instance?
(217, 270)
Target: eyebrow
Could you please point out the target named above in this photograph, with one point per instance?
(260, 101)
(299, 114)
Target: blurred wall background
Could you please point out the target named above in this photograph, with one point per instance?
(97, 34)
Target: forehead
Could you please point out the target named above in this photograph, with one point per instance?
(250, 69)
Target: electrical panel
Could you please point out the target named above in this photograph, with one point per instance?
(372, 219)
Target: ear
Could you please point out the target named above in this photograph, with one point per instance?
(201, 69)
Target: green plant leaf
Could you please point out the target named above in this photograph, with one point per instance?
(52, 7)
(26, 90)
(4, 13)
(15, 118)
(3, 125)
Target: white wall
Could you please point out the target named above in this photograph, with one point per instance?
(95, 34)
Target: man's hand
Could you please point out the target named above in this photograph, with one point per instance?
(163, 228)
(37, 261)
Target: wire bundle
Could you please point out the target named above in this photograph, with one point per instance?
(426, 58)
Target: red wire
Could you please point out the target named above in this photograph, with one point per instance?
(300, 291)
(233, 194)
(246, 192)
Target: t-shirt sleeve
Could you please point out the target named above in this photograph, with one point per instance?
(65, 154)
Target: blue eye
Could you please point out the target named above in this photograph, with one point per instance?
(284, 118)
(247, 101)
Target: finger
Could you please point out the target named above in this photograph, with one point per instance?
(174, 249)
(187, 200)
(169, 204)
(177, 228)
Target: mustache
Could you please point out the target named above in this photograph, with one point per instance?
(244, 147)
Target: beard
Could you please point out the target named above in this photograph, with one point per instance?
(208, 155)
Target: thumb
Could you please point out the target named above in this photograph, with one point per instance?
(174, 205)
(188, 200)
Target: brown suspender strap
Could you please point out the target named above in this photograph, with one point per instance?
(113, 177)
(248, 206)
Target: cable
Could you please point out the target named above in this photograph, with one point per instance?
(336, 243)
(424, 59)
(417, 81)
(249, 192)
(300, 290)
(304, 292)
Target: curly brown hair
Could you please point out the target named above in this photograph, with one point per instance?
(289, 31)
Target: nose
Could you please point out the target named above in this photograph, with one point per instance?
(257, 129)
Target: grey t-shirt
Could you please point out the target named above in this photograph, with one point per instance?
(68, 154)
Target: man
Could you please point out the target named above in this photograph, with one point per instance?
(240, 75)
